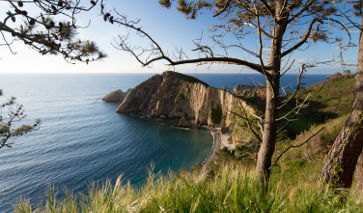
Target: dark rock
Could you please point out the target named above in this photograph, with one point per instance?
(225, 130)
(241, 87)
(334, 76)
(115, 96)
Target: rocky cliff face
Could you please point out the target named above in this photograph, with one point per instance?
(174, 95)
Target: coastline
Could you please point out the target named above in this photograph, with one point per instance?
(217, 142)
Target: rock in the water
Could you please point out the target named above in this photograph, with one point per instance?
(183, 122)
(115, 96)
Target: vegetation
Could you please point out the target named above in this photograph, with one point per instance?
(216, 114)
(330, 99)
(344, 162)
(10, 116)
(230, 184)
(44, 32)
(231, 189)
(271, 22)
(226, 187)
(187, 78)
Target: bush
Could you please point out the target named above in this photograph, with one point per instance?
(216, 115)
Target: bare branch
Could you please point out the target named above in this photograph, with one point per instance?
(264, 2)
(160, 55)
(303, 40)
(223, 9)
(302, 70)
(248, 123)
(295, 146)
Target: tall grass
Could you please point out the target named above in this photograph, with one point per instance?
(232, 189)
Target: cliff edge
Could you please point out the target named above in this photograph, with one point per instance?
(178, 96)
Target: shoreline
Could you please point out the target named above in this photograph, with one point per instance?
(217, 142)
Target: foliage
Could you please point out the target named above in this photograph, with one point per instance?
(186, 78)
(44, 31)
(232, 189)
(280, 26)
(304, 163)
(216, 114)
(11, 114)
(330, 99)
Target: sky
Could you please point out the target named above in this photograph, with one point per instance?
(169, 27)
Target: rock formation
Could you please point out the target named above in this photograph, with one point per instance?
(178, 96)
(240, 87)
(115, 96)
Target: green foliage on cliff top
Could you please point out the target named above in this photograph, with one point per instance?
(330, 99)
(335, 96)
(187, 78)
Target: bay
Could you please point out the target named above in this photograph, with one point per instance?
(82, 139)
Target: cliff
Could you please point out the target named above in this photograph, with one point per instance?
(178, 96)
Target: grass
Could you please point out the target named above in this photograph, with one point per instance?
(330, 99)
(232, 189)
(304, 163)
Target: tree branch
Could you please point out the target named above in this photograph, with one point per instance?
(303, 40)
(295, 146)
(223, 9)
(248, 123)
(160, 55)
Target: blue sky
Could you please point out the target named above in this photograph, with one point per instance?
(167, 26)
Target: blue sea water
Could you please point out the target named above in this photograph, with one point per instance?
(82, 139)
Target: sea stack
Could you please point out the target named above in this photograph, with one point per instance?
(114, 96)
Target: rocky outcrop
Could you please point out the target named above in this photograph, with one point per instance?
(240, 87)
(193, 102)
(334, 76)
(115, 96)
(174, 95)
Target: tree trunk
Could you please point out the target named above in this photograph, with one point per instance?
(358, 176)
(340, 164)
(269, 133)
(272, 100)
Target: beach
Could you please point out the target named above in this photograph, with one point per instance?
(217, 142)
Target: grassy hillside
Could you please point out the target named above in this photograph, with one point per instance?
(330, 99)
(230, 185)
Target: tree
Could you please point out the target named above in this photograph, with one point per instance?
(37, 24)
(11, 114)
(282, 26)
(341, 162)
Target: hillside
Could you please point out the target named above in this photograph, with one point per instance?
(230, 185)
(330, 99)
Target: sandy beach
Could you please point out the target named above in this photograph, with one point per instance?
(216, 146)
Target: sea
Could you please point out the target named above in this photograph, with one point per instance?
(82, 140)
